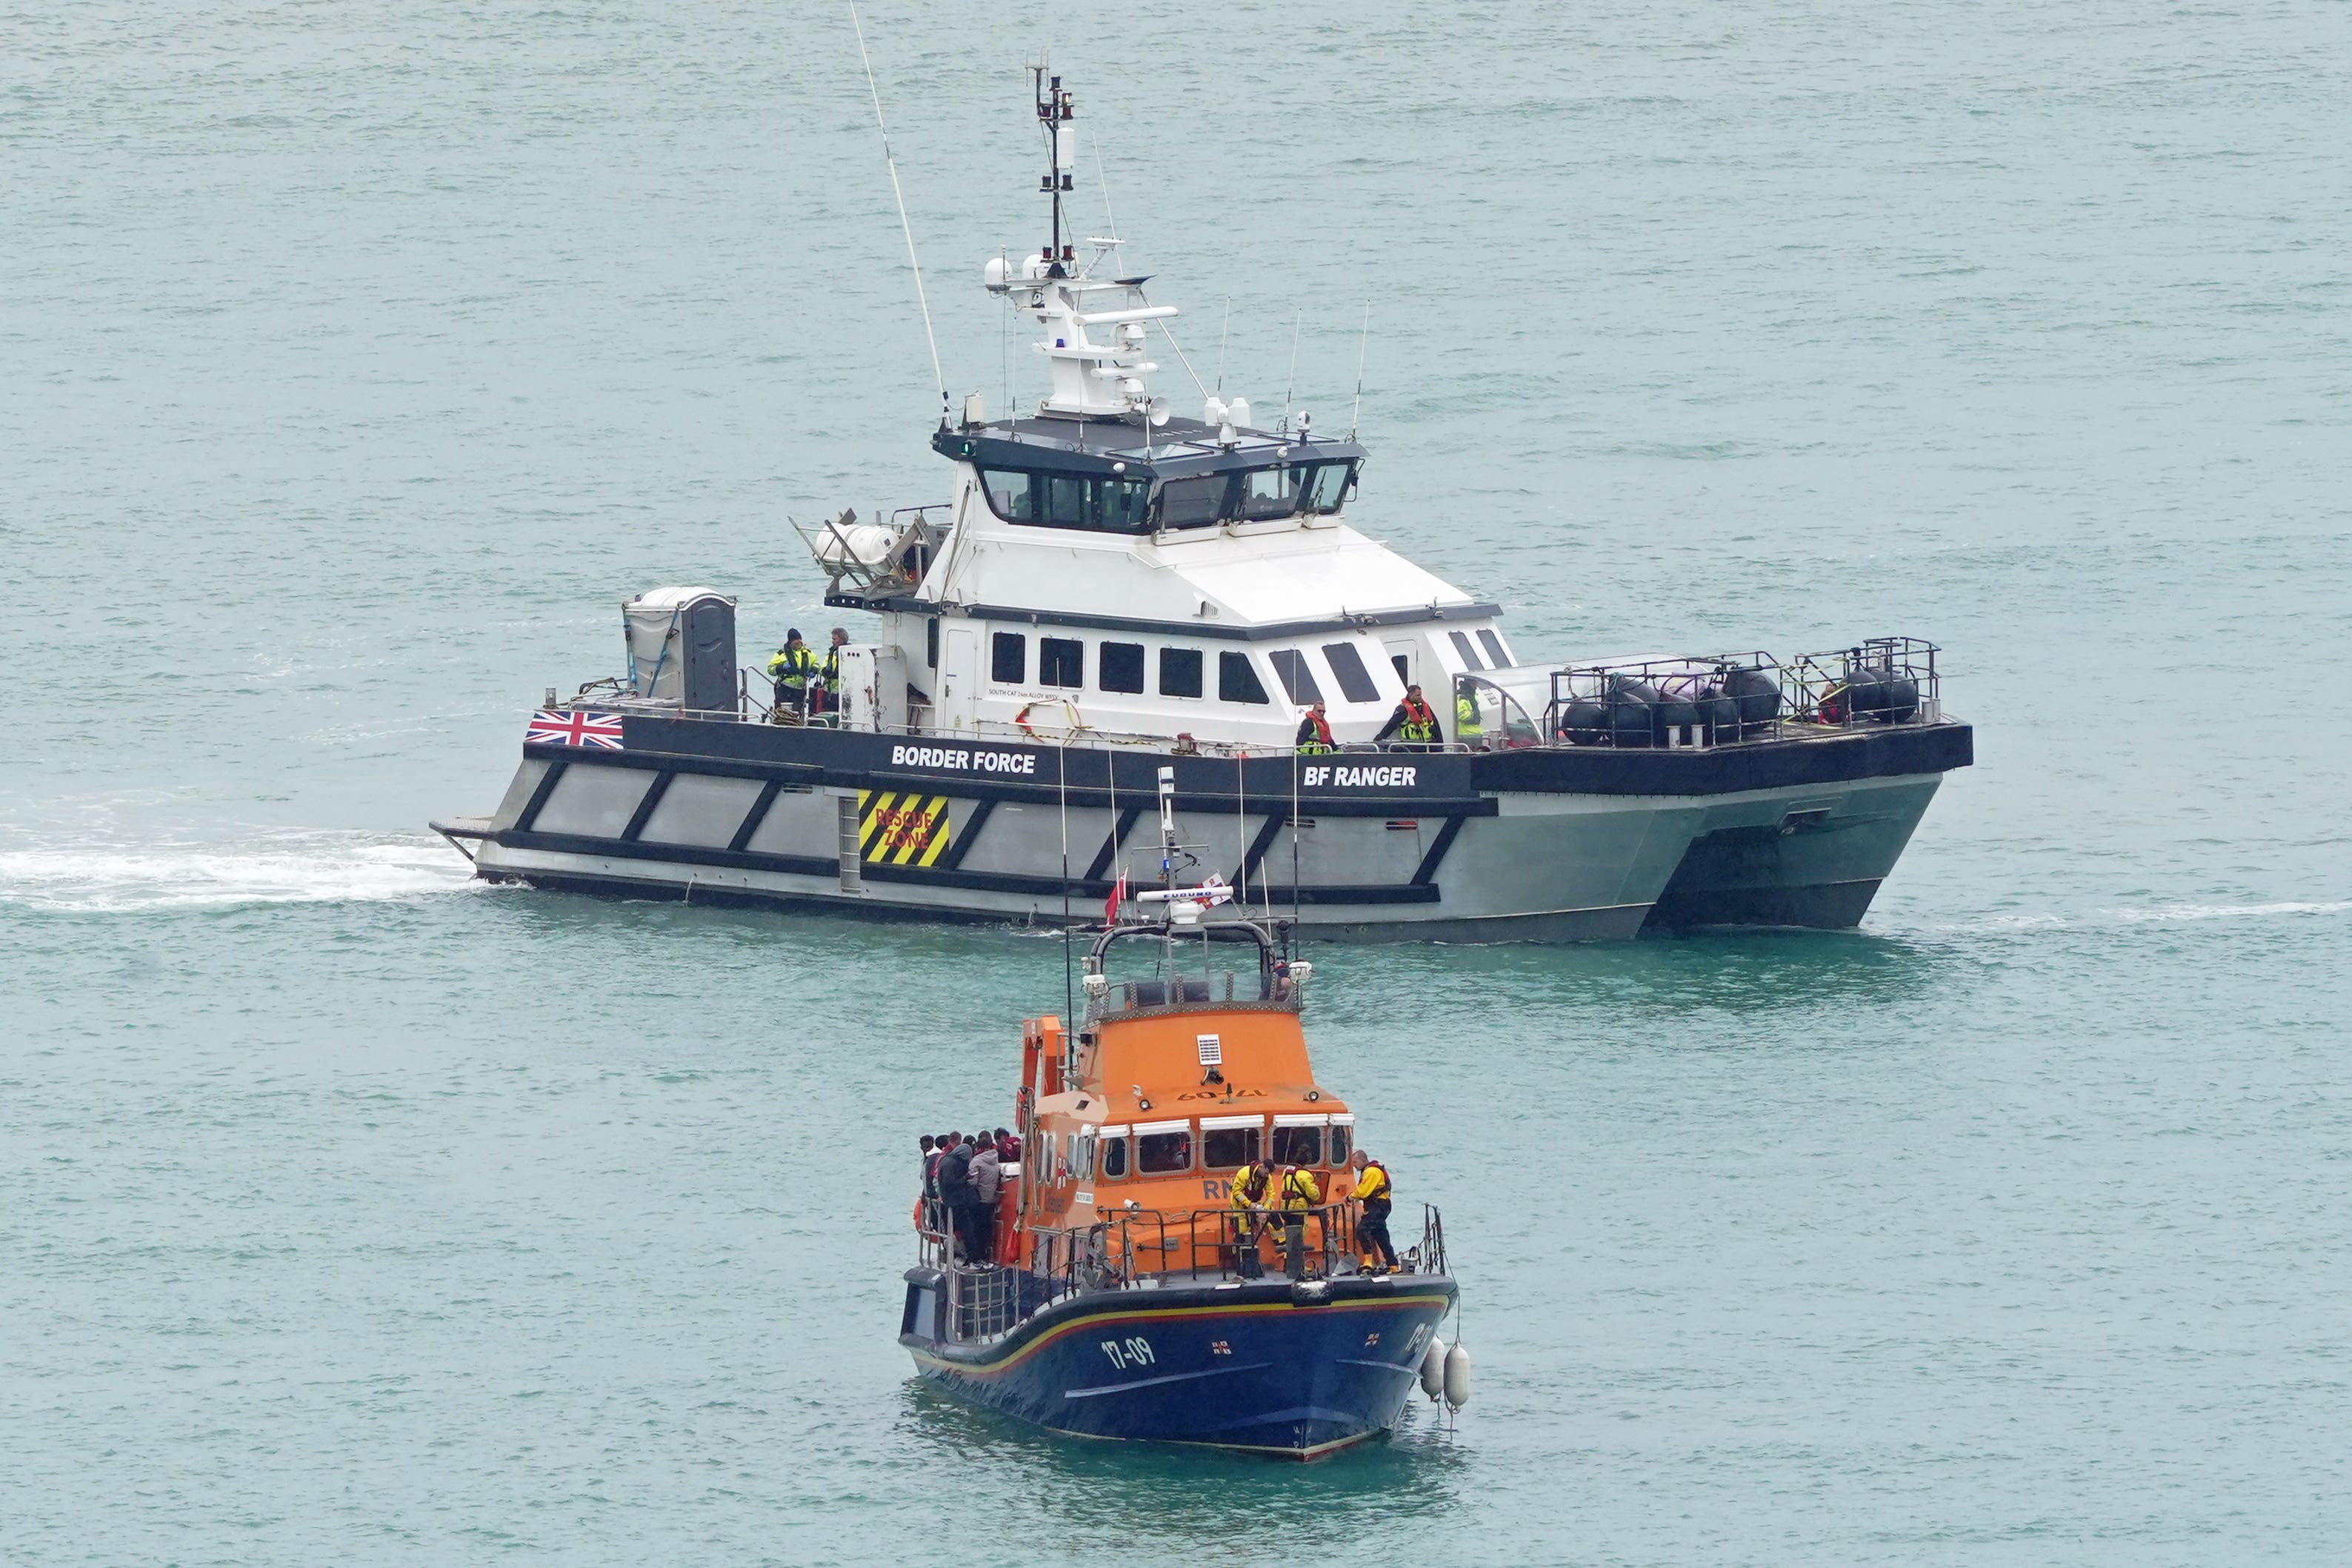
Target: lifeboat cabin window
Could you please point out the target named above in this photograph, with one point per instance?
(1179, 672)
(1470, 660)
(1355, 681)
(1297, 1145)
(1061, 662)
(1296, 678)
(1258, 495)
(1236, 681)
(1342, 1137)
(1163, 1148)
(1112, 1141)
(1118, 667)
(1008, 659)
(1229, 1142)
(1494, 650)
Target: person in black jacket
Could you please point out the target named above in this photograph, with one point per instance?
(958, 1196)
(930, 1187)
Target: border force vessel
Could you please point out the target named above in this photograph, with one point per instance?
(1118, 1288)
(1110, 589)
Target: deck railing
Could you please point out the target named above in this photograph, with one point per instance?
(1146, 1249)
(1668, 702)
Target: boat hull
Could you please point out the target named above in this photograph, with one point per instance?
(1296, 1372)
(1546, 844)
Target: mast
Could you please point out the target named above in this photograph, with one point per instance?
(1055, 113)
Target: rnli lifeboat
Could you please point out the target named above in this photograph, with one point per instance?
(1127, 1296)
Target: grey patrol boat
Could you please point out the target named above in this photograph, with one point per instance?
(1110, 589)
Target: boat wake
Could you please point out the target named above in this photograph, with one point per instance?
(2160, 915)
(315, 867)
(2226, 910)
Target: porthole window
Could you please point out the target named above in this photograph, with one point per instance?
(1296, 678)
(1236, 681)
(1348, 665)
(1118, 667)
(1061, 662)
(1179, 672)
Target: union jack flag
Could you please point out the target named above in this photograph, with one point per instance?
(550, 727)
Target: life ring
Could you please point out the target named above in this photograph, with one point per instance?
(1020, 719)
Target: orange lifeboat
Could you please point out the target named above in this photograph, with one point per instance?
(1122, 1289)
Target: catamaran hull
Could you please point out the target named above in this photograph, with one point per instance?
(1546, 844)
(1265, 1367)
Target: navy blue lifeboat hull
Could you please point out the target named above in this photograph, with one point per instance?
(1295, 1370)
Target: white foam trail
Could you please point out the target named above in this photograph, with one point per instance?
(290, 868)
(2227, 911)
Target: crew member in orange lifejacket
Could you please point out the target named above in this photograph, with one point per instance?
(1314, 732)
(1373, 1191)
(1414, 724)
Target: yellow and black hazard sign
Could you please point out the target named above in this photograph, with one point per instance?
(895, 829)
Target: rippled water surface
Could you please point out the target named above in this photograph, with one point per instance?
(355, 361)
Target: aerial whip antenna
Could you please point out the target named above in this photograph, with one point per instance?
(890, 162)
(1295, 326)
(1362, 338)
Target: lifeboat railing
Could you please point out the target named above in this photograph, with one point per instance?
(1146, 1249)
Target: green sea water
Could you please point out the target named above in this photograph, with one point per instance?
(356, 361)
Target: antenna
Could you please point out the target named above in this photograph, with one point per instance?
(1223, 332)
(1054, 113)
(891, 164)
(1362, 338)
(1298, 323)
(1109, 218)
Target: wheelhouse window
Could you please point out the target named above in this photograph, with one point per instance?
(1114, 1154)
(1299, 1145)
(1269, 493)
(1494, 650)
(931, 642)
(1118, 667)
(1229, 1142)
(1008, 492)
(1355, 681)
(1296, 678)
(1236, 681)
(1327, 488)
(1342, 1140)
(1179, 672)
(1101, 503)
(1470, 660)
(1122, 505)
(1191, 503)
(1159, 1153)
(1008, 659)
(1061, 662)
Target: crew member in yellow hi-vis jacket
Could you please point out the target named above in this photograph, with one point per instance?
(1377, 1196)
